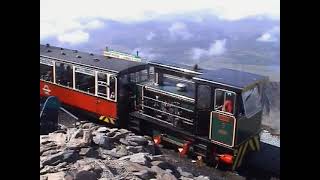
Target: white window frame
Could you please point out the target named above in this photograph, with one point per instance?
(89, 74)
(224, 99)
(49, 62)
(108, 84)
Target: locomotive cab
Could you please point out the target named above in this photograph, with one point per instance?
(229, 106)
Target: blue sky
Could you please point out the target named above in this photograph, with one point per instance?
(241, 34)
(63, 19)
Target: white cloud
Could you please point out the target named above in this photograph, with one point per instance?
(59, 16)
(179, 29)
(75, 37)
(95, 24)
(270, 36)
(150, 36)
(216, 48)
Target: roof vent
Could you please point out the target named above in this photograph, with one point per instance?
(61, 49)
(47, 45)
(181, 87)
(195, 67)
(91, 54)
(63, 53)
(48, 50)
(78, 56)
(75, 51)
(96, 59)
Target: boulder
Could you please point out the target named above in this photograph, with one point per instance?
(135, 149)
(183, 173)
(145, 174)
(136, 140)
(67, 156)
(102, 140)
(166, 176)
(140, 158)
(86, 175)
(56, 176)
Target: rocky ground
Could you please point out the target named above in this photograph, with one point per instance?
(89, 152)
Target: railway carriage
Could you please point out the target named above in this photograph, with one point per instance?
(99, 86)
(213, 114)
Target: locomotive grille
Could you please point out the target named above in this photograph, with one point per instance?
(171, 110)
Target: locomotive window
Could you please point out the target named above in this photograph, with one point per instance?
(204, 96)
(224, 101)
(112, 88)
(64, 74)
(252, 101)
(46, 72)
(85, 80)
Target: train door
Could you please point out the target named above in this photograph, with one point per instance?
(107, 89)
(222, 119)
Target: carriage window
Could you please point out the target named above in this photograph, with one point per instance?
(64, 74)
(102, 85)
(46, 72)
(112, 88)
(204, 99)
(85, 80)
(224, 101)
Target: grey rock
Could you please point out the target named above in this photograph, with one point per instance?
(43, 177)
(84, 151)
(135, 167)
(123, 141)
(169, 171)
(89, 125)
(68, 156)
(185, 178)
(202, 178)
(157, 170)
(116, 136)
(102, 129)
(135, 149)
(140, 158)
(145, 174)
(45, 148)
(166, 166)
(53, 169)
(56, 176)
(150, 148)
(166, 176)
(50, 152)
(183, 173)
(102, 140)
(86, 175)
(136, 140)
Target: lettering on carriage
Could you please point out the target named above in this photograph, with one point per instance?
(46, 89)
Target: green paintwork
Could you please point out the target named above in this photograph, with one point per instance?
(222, 131)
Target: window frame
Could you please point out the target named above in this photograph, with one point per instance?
(42, 61)
(83, 68)
(52, 63)
(244, 103)
(224, 99)
(108, 85)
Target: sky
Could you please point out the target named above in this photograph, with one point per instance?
(241, 34)
(71, 20)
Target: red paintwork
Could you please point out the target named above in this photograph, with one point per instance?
(80, 100)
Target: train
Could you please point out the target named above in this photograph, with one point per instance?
(212, 114)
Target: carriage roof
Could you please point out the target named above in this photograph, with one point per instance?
(88, 59)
